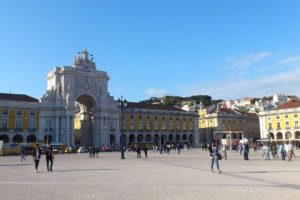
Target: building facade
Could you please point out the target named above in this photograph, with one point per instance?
(160, 125)
(281, 124)
(220, 123)
(77, 110)
(19, 118)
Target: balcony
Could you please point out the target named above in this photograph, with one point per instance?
(18, 129)
(31, 130)
(48, 130)
(4, 129)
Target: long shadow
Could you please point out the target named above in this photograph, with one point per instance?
(15, 165)
(236, 175)
(82, 170)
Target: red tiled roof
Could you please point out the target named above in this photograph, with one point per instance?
(152, 106)
(17, 97)
(289, 104)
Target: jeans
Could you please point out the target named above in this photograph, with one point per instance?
(267, 155)
(36, 164)
(214, 160)
(49, 161)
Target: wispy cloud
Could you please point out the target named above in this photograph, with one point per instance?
(154, 92)
(285, 79)
(242, 63)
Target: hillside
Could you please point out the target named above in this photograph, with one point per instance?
(180, 101)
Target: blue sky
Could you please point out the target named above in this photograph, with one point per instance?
(226, 49)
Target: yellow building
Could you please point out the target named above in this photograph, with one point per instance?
(219, 123)
(158, 125)
(19, 118)
(282, 123)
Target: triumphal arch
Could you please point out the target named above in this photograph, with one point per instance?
(77, 108)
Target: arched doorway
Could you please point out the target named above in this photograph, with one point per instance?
(279, 136)
(148, 137)
(112, 140)
(288, 135)
(171, 138)
(31, 139)
(18, 139)
(297, 135)
(123, 139)
(140, 138)
(191, 139)
(184, 137)
(131, 138)
(4, 138)
(156, 139)
(271, 135)
(84, 116)
(48, 138)
(177, 138)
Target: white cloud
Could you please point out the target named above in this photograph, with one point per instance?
(283, 80)
(242, 63)
(154, 92)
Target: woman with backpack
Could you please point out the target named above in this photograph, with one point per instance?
(214, 156)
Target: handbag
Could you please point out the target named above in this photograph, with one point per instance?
(219, 156)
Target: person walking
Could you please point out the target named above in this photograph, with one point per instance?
(289, 149)
(178, 148)
(214, 156)
(138, 152)
(268, 151)
(246, 151)
(37, 156)
(282, 151)
(49, 157)
(146, 152)
(22, 153)
(224, 151)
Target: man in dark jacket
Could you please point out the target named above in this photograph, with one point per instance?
(49, 157)
(37, 156)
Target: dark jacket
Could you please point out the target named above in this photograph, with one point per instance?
(34, 153)
(211, 152)
(49, 154)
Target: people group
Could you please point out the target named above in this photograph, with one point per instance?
(286, 150)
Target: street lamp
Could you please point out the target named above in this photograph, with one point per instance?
(122, 104)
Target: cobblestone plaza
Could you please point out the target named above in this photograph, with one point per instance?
(184, 176)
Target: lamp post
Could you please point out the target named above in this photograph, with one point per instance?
(122, 104)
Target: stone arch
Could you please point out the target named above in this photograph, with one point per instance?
(297, 135)
(279, 136)
(171, 138)
(112, 140)
(148, 137)
(131, 138)
(85, 105)
(18, 138)
(156, 139)
(288, 135)
(48, 138)
(4, 138)
(140, 138)
(31, 139)
(177, 137)
(184, 137)
(271, 135)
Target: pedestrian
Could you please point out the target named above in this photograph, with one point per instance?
(214, 156)
(246, 151)
(146, 152)
(49, 157)
(267, 150)
(138, 152)
(289, 149)
(90, 152)
(282, 151)
(22, 153)
(37, 156)
(178, 148)
(224, 152)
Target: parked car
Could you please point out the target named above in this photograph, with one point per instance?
(82, 150)
(106, 148)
